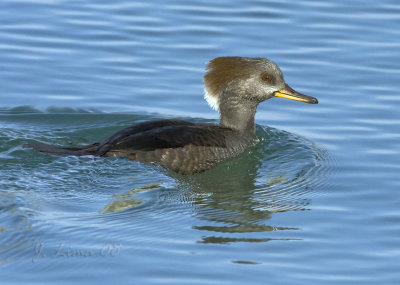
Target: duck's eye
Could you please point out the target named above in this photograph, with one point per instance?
(266, 78)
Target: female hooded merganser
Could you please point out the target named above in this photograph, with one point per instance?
(234, 86)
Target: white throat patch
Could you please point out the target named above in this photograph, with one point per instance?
(211, 100)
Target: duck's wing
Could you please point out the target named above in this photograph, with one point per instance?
(123, 134)
(168, 136)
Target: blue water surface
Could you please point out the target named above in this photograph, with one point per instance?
(313, 201)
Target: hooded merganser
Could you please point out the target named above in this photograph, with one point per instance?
(234, 86)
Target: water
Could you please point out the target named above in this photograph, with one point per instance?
(314, 200)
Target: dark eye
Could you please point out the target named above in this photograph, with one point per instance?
(266, 78)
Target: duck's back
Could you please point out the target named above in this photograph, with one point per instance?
(181, 146)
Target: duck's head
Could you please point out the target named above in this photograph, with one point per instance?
(243, 81)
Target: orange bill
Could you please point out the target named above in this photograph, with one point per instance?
(289, 93)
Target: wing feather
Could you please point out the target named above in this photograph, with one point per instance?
(165, 134)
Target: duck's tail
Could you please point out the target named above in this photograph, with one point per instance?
(90, 149)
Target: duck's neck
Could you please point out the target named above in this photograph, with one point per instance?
(238, 116)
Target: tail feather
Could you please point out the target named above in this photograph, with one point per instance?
(64, 151)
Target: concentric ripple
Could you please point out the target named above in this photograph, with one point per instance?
(279, 173)
(45, 198)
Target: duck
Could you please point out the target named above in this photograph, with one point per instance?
(234, 86)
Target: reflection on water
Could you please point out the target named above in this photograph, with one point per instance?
(126, 201)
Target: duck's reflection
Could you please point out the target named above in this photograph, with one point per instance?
(126, 200)
(239, 204)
